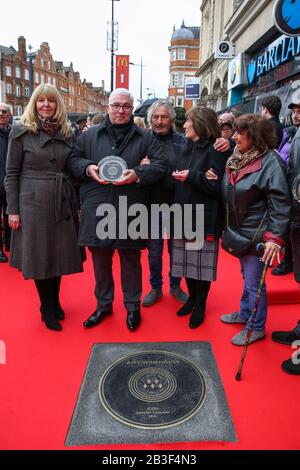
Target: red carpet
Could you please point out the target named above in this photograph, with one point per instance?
(41, 378)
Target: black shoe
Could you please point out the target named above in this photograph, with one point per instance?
(59, 313)
(133, 319)
(285, 337)
(290, 368)
(3, 257)
(96, 318)
(187, 308)
(197, 317)
(283, 268)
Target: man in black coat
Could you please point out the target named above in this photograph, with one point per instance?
(5, 128)
(161, 116)
(270, 109)
(111, 205)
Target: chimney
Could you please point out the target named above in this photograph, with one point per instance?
(22, 46)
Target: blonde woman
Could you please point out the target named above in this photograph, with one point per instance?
(41, 201)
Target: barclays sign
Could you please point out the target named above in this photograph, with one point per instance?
(279, 52)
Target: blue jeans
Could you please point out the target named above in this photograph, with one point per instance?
(155, 255)
(252, 268)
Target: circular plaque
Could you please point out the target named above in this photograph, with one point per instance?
(152, 389)
(111, 168)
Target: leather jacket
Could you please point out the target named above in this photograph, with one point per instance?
(259, 194)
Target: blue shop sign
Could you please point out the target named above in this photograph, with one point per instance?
(280, 51)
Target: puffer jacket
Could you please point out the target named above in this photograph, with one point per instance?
(259, 193)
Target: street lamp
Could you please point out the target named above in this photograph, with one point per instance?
(141, 78)
(30, 71)
(151, 92)
(111, 44)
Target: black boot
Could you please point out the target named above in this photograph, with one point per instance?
(189, 305)
(201, 293)
(60, 314)
(48, 309)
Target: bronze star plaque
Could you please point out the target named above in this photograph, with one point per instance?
(152, 389)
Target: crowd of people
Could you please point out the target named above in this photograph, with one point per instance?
(244, 171)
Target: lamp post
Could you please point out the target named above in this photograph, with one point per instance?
(141, 78)
(112, 47)
(30, 71)
(151, 92)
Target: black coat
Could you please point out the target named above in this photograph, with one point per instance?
(198, 157)
(262, 186)
(4, 134)
(92, 146)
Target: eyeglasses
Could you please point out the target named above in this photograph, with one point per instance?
(126, 107)
(3, 111)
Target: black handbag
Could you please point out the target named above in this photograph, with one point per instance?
(233, 242)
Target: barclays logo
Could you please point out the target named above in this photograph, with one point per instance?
(251, 71)
(286, 16)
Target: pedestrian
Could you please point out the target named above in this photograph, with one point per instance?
(161, 116)
(5, 128)
(199, 265)
(41, 201)
(255, 192)
(117, 136)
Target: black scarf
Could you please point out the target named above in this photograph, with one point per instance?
(118, 133)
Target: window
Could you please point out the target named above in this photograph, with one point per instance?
(8, 70)
(181, 53)
(18, 71)
(19, 110)
(8, 88)
(18, 90)
(173, 80)
(42, 78)
(179, 101)
(26, 74)
(54, 81)
(37, 78)
(173, 54)
(27, 91)
(49, 65)
(180, 82)
(49, 79)
(42, 62)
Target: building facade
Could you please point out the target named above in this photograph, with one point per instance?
(16, 67)
(213, 72)
(266, 62)
(184, 62)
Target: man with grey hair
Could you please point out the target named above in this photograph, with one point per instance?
(161, 116)
(117, 136)
(5, 128)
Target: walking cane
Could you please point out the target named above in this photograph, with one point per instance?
(254, 310)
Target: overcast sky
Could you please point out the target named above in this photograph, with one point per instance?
(76, 31)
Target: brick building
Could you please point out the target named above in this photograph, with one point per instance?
(79, 96)
(184, 62)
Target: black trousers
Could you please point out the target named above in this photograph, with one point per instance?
(131, 277)
(6, 232)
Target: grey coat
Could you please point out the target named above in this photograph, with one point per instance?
(41, 193)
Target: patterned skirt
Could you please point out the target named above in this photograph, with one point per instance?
(195, 264)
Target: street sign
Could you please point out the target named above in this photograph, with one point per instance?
(122, 71)
(192, 88)
(286, 17)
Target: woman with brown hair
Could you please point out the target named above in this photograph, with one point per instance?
(41, 201)
(255, 191)
(198, 266)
